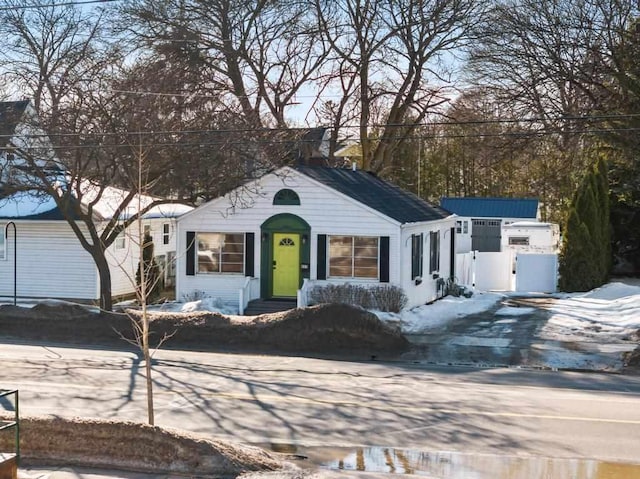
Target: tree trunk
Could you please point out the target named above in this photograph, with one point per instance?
(106, 302)
(147, 363)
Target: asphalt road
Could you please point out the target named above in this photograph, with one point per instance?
(311, 402)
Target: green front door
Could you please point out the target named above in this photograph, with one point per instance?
(286, 264)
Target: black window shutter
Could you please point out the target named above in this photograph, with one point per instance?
(249, 253)
(384, 259)
(322, 257)
(191, 253)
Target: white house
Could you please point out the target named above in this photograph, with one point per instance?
(278, 236)
(40, 255)
(38, 246)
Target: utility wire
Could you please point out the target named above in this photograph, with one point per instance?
(248, 141)
(267, 130)
(54, 5)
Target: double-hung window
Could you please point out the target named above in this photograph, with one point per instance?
(416, 255)
(354, 257)
(220, 252)
(434, 251)
(121, 241)
(165, 233)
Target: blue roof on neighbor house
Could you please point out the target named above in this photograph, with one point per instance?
(492, 207)
(376, 193)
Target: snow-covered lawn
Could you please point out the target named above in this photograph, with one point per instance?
(611, 311)
(607, 313)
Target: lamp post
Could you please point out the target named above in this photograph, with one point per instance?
(15, 257)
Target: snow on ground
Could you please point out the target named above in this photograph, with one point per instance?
(609, 312)
(429, 317)
(612, 310)
(514, 311)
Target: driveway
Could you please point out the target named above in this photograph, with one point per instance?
(517, 332)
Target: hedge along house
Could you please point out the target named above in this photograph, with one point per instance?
(311, 226)
(38, 246)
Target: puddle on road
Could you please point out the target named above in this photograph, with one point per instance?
(455, 465)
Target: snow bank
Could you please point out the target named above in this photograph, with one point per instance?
(604, 315)
(436, 315)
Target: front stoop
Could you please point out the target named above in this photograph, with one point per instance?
(8, 466)
(265, 306)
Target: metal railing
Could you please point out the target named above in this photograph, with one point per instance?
(15, 423)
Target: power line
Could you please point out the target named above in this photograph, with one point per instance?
(289, 142)
(268, 130)
(54, 5)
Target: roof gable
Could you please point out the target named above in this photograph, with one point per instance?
(492, 207)
(11, 113)
(376, 193)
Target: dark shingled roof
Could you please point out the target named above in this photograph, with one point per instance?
(492, 207)
(376, 193)
(10, 114)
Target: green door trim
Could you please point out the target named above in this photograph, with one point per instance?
(282, 223)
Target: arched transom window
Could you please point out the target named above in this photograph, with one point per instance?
(286, 197)
(287, 242)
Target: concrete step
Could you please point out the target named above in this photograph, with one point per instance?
(264, 306)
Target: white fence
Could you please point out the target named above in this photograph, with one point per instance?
(536, 272)
(508, 271)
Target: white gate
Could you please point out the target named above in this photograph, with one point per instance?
(507, 271)
(536, 273)
(485, 271)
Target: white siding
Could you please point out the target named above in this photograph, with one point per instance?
(124, 262)
(325, 210)
(543, 237)
(51, 263)
(428, 289)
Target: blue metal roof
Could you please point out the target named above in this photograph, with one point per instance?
(492, 207)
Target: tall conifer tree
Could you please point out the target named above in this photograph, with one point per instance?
(586, 253)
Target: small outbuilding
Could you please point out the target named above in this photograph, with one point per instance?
(480, 220)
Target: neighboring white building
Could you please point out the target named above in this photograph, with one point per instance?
(39, 248)
(502, 245)
(298, 227)
(51, 262)
(481, 220)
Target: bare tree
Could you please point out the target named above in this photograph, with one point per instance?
(49, 52)
(145, 281)
(392, 61)
(573, 65)
(257, 55)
